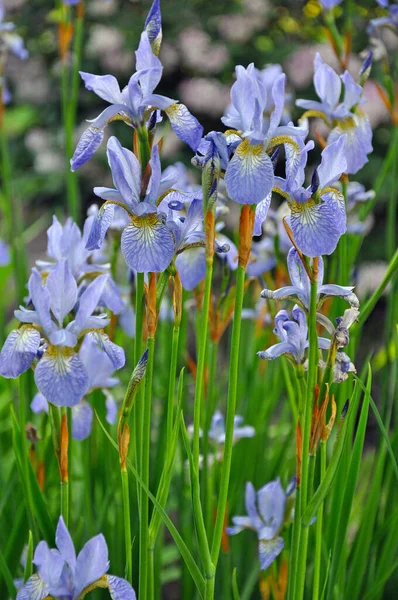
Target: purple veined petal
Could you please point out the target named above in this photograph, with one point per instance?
(126, 171)
(327, 85)
(317, 228)
(101, 223)
(120, 589)
(100, 122)
(358, 142)
(278, 95)
(239, 524)
(284, 293)
(41, 301)
(19, 351)
(247, 431)
(333, 163)
(39, 404)
(111, 297)
(65, 544)
(111, 408)
(332, 289)
(269, 550)
(34, 589)
(88, 302)
(105, 86)
(147, 244)
(185, 125)
(62, 288)
(154, 181)
(249, 176)
(191, 266)
(145, 208)
(82, 420)
(277, 350)
(61, 377)
(261, 214)
(352, 90)
(158, 101)
(251, 508)
(87, 146)
(271, 500)
(113, 351)
(91, 564)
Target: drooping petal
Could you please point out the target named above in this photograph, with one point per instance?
(332, 289)
(120, 589)
(269, 550)
(101, 223)
(61, 377)
(91, 564)
(63, 290)
(185, 125)
(65, 544)
(114, 352)
(147, 244)
(82, 420)
(87, 146)
(271, 506)
(277, 350)
(191, 266)
(317, 227)
(261, 214)
(126, 171)
(105, 86)
(19, 351)
(251, 508)
(34, 589)
(249, 176)
(240, 523)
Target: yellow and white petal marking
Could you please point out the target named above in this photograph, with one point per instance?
(249, 176)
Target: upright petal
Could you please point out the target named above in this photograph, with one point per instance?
(61, 377)
(147, 244)
(88, 302)
(120, 589)
(41, 301)
(65, 544)
(126, 171)
(269, 550)
(82, 420)
(271, 506)
(185, 125)
(87, 146)
(92, 563)
(278, 95)
(153, 27)
(105, 86)
(251, 508)
(327, 85)
(63, 290)
(352, 90)
(357, 133)
(333, 163)
(19, 351)
(149, 68)
(249, 176)
(156, 172)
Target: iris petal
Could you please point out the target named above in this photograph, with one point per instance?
(34, 589)
(120, 589)
(147, 244)
(185, 125)
(249, 176)
(61, 377)
(19, 350)
(269, 550)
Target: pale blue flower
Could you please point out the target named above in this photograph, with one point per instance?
(217, 429)
(9, 39)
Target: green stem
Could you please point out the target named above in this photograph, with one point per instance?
(319, 527)
(161, 288)
(209, 408)
(145, 453)
(392, 202)
(301, 559)
(145, 152)
(127, 525)
(172, 383)
(65, 487)
(231, 408)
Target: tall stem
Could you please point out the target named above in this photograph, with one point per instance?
(319, 527)
(172, 381)
(392, 202)
(64, 467)
(303, 489)
(127, 525)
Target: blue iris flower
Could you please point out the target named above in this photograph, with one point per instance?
(137, 100)
(300, 289)
(266, 514)
(343, 117)
(47, 337)
(329, 4)
(9, 39)
(390, 21)
(64, 576)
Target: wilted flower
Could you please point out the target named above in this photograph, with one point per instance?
(293, 334)
(44, 336)
(266, 510)
(64, 576)
(300, 289)
(344, 118)
(137, 101)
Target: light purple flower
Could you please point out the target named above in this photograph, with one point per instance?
(293, 333)
(266, 511)
(345, 117)
(301, 288)
(60, 374)
(64, 576)
(4, 254)
(329, 4)
(9, 39)
(390, 21)
(217, 429)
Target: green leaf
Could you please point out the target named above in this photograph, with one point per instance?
(235, 590)
(29, 558)
(5, 571)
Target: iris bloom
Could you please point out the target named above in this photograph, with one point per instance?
(147, 243)
(66, 242)
(293, 333)
(249, 174)
(137, 101)
(329, 4)
(300, 289)
(390, 21)
(63, 576)
(343, 117)
(10, 40)
(217, 429)
(46, 340)
(100, 371)
(318, 215)
(266, 510)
